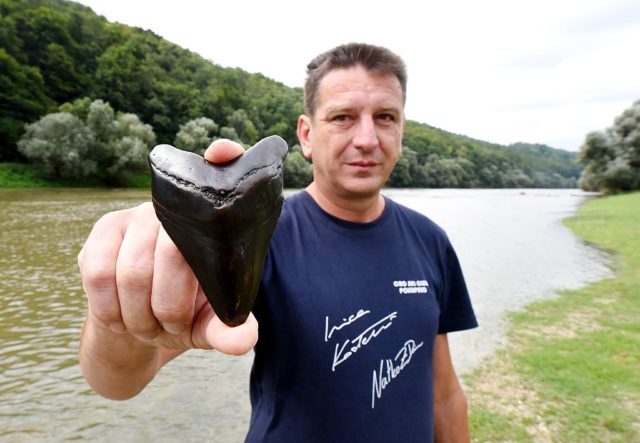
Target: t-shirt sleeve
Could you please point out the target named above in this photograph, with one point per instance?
(456, 312)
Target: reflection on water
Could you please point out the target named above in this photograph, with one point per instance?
(512, 246)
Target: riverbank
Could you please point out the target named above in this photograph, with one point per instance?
(19, 175)
(570, 371)
(26, 175)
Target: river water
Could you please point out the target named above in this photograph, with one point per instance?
(511, 243)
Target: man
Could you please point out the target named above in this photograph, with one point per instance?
(357, 293)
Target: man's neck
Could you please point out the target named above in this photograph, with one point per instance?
(358, 209)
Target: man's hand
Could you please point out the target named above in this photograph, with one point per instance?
(145, 304)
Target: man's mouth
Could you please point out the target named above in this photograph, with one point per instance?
(362, 163)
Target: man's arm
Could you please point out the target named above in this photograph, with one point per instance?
(450, 403)
(145, 304)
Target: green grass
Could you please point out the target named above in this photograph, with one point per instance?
(571, 371)
(21, 175)
(498, 427)
(141, 180)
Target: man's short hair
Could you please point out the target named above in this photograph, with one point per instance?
(373, 58)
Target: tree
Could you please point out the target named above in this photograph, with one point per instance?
(401, 174)
(612, 157)
(22, 99)
(101, 121)
(79, 107)
(62, 142)
(230, 134)
(120, 74)
(240, 122)
(62, 77)
(297, 171)
(195, 135)
(627, 130)
(128, 148)
(449, 172)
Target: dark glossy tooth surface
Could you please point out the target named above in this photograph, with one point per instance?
(221, 218)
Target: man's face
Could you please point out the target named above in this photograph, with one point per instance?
(355, 137)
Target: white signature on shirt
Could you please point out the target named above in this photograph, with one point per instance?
(345, 322)
(391, 368)
(350, 346)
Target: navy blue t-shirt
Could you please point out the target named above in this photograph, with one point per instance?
(348, 315)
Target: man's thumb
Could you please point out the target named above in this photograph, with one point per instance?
(223, 151)
(233, 341)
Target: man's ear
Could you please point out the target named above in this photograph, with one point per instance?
(304, 135)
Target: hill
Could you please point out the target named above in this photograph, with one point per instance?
(54, 51)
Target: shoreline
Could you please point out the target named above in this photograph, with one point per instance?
(566, 370)
(534, 257)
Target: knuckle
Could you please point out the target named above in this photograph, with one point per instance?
(134, 278)
(135, 268)
(98, 277)
(111, 218)
(146, 211)
(173, 314)
(169, 252)
(104, 316)
(145, 331)
(105, 309)
(136, 259)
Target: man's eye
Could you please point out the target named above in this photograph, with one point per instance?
(386, 117)
(341, 118)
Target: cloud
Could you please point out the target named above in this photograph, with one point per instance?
(613, 16)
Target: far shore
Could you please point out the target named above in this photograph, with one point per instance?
(24, 175)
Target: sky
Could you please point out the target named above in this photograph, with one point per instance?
(535, 71)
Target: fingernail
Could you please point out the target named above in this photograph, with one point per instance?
(174, 328)
(117, 327)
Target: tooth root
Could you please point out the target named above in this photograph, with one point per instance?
(221, 218)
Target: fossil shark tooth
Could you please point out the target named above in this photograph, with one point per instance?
(221, 217)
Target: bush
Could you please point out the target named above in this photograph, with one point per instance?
(110, 146)
(297, 171)
(62, 143)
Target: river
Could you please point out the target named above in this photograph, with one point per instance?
(511, 243)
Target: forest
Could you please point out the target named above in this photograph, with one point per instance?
(85, 96)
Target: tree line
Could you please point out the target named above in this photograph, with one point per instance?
(59, 60)
(88, 139)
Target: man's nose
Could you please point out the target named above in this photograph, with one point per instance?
(365, 137)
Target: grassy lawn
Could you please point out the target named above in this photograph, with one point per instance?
(571, 371)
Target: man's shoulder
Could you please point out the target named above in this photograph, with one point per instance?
(295, 199)
(295, 212)
(293, 204)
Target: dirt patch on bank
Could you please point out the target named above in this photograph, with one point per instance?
(500, 389)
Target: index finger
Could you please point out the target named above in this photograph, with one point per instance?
(97, 263)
